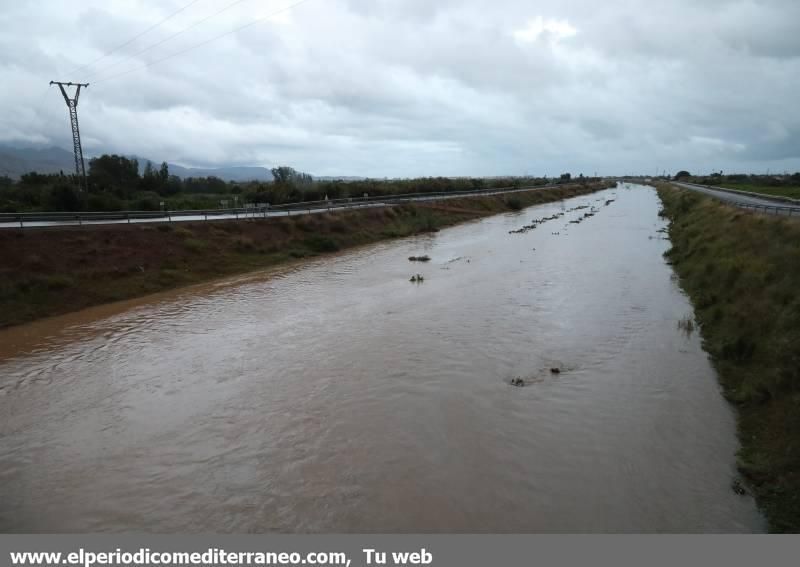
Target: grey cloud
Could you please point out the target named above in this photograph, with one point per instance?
(412, 87)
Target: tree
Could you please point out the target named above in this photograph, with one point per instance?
(150, 179)
(114, 173)
(682, 174)
(163, 172)
(285, 175)
(34, 178)
(172, 186)
(64, 197)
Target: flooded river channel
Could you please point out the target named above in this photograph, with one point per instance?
(338, 396)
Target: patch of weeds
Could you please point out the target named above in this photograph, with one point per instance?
(244, 244)
(305, 223)
(514, 203)
(194, 244)
(339, 226)
(169, 275)
(318, 243)
(58, 281)
(183, 232)
(284, 224)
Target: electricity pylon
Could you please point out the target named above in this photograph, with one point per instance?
(72, 104)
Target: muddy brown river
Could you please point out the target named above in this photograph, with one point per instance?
(337, 396)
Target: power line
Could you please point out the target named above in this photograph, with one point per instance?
(168, 38)
(202, 43)
(134, 38)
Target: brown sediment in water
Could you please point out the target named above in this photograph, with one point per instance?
(337, 397)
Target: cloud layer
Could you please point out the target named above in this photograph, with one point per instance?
(414, 87)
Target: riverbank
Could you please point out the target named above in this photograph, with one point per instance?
(742, 273)
(55, 271)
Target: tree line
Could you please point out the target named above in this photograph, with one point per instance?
(115, 183)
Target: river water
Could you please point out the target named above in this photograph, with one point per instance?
(337, 396)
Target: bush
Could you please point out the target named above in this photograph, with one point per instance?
(58, 282)
(319, 243)
(183, 232)
(65, 198)
(244, 244)
(514, 204)
(104, 202)
(194, 244)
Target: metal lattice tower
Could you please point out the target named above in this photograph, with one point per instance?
(72, 104)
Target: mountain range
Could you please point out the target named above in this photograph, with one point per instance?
(16, 161)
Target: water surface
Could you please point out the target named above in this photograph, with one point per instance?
(338, 396)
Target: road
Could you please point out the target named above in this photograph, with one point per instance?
(747, 200)
(49, 220)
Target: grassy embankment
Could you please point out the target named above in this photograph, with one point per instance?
(742, 272)
(54, 271)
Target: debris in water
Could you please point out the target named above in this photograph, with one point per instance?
(555, 370)
(424, 258)
(519, 382)
(417, 279)
(534, 223)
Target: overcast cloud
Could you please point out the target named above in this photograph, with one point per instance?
(416, 87)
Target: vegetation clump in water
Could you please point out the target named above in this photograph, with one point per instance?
(686, 324)
(424, 258)
(535, 223)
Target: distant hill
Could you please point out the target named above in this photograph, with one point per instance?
(233, 173)
(16, 161)
(338, 178)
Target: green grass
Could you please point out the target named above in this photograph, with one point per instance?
(195, 244)
(791, 192)
(742, 272)
(183, 232)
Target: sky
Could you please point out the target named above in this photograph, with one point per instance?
(404, 88)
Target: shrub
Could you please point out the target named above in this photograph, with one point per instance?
(318, 243)
(183, 232)
(514, 204)
(244, 244)
(58, 281)
(194, 244)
